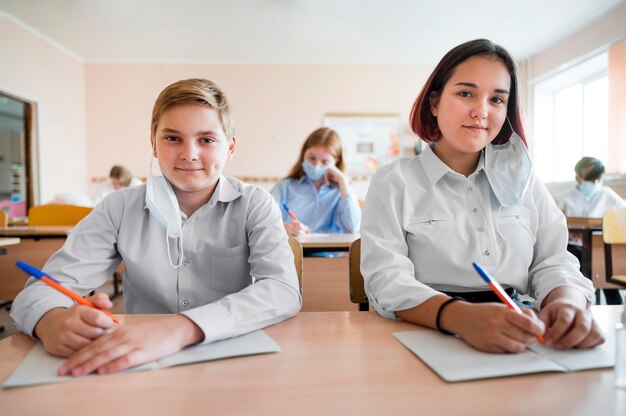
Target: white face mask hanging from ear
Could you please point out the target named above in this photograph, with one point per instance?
(508, 168)
(163, 206)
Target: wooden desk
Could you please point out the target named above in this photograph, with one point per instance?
(9, 241)
(331, 363)
(36, 245)
(326, 242)
(40, 231)
(326, 280)
(585, 226)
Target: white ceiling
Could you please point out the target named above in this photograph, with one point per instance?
(298, 31)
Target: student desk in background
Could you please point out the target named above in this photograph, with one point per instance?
(37, 243)
(331, 363)
(325, 280)
(592, 255)
(7, 242)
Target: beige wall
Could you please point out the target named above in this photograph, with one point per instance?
(33, 69)
(596, 36)
(275, 107)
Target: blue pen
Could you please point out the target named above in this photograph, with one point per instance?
(290, 212)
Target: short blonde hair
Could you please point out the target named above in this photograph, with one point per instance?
(194, 91)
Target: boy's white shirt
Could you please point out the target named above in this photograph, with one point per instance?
(238, 274)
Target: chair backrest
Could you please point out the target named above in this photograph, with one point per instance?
(56, 214)
(613, 232)
(357, 286)
(4, 219)
(296, 247)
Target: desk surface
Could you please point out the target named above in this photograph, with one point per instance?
(331, 363)
(327, 241)
(36, 231)
(9, 241)
(584, 223)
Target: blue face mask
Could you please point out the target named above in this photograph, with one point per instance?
(312, 172)
(589, 189)
(163, 206)
(508, 168)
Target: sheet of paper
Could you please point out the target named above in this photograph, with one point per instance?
(602, 356)
(454, 360)
(39, 367)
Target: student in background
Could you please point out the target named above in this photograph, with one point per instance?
(591, 200)
(316, 189)
(471, 196)
(205, 249)
(119, 178)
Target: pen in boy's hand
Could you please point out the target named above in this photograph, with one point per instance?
(499, 291)
(38, 274)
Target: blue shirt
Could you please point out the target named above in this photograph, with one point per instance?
(323, 210)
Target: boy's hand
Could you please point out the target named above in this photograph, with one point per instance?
(131, 345)
(65, 331)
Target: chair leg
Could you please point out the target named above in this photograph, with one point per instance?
(116, 285)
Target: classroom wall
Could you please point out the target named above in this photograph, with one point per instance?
(275, 107)
(34, 69)
(608, 32)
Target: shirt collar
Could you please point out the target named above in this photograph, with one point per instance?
(224, 192)
(435, 169)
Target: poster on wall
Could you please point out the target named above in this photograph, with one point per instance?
(369, 140)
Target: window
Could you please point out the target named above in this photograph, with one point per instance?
(571, 119)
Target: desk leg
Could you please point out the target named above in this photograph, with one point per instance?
(585, 256)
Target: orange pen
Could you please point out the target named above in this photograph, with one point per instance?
(38, 274)
(499, 291)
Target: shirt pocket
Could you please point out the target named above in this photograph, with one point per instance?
(230, 271)
(429, 228)
(509, 223)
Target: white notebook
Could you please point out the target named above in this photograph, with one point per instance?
(454, 360)
(39, 367)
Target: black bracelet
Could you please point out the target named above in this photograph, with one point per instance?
(441, 308)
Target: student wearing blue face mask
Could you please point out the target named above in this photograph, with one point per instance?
(589, 199)
(316, 189)
(206, 250)
(471, 196)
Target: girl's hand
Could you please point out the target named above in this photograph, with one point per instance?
(295, 228)
(131, 345)
(492, 327)
(570, 326)
(335, 177)
(65, 331)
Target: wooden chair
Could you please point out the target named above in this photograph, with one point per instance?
(4, 219)
(56, 214)
(296, 247)
(613, 232)
(357, 286)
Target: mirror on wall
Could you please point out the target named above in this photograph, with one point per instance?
(14, 161)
